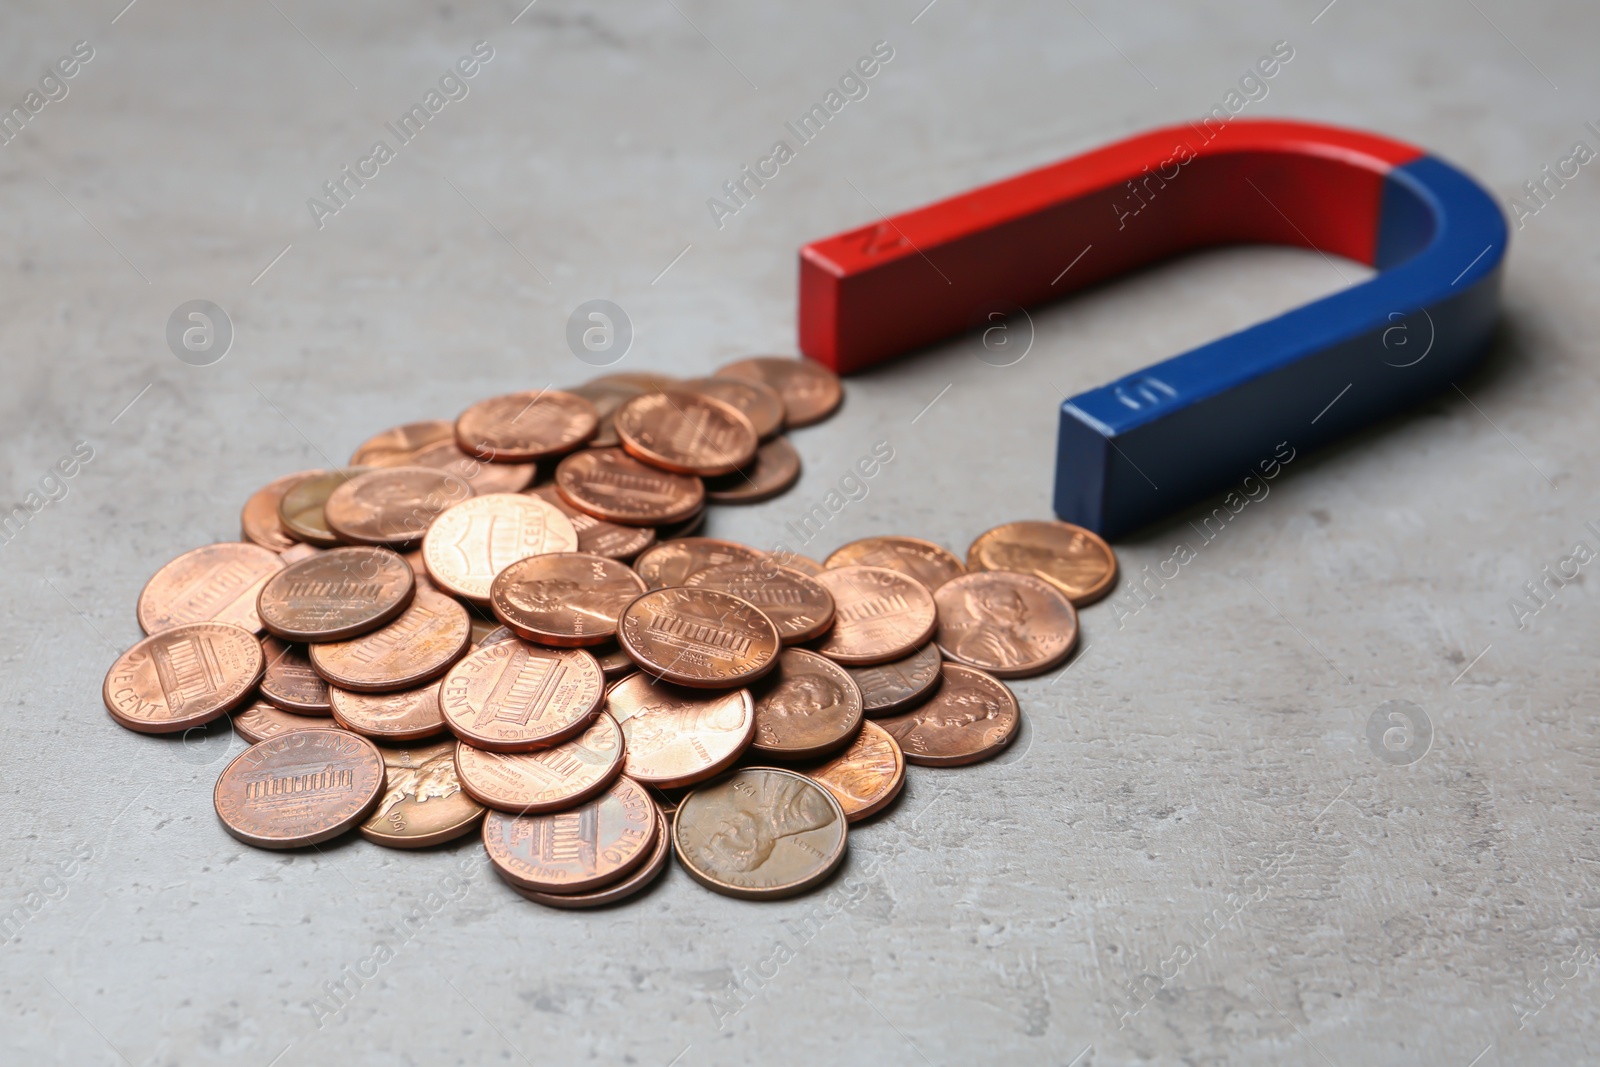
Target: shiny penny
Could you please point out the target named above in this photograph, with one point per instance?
(515, 697)
(395, 447)
(551, 779)
(1011, 625)
(686, 432)
(928, 563)
(594, 844)
(392, 505)
(215, 583)
(634, 883)
(418, 646)
(409, 715)
(599, 537)
(775, 469)
(1074, 560)
(564, 598)
(522, 427)
(811, 392)
(698, 637)
(484, 477)
(290, 682)
(675, 736)
(337, 594)
(182, 677)
(798, 605)
(611, 485)
(881, 615)
(300, 510)
(675, 563)
(972, 717)
(299, 788)
(866, 777)
(760, 833)
(259, 521)
(756, 400)
(606, 397)
(887, 688)
(472, 542)
(422, 803)
(261, 720)
(805, 709)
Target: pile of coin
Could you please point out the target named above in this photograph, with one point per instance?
(436, 640)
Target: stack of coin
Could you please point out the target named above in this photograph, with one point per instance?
(503, 624)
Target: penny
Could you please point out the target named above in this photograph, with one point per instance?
(418, 646)
(515, 697)
(606, 397)
(687, 433)
(586, 847)
(551, 779)
(973, 716)
(609, 484)
(259, 521)
(564, 598)
(337, 594)
(184, 676)
(676, 736)
(597, 536)
(698, 637)
(1011, 625)
(805, 709)
(1074, 560)
(756, 400)
(395, 447)
(760, 833)
(866, 777)
(290, 682)
(887, 688)
(392, 505)
(300, 510)
(797, 605)
(422, 803)
(261, 720)
(408, 715)
(522, 427)
(299, 788)
(482, 476)
(472, 542)
(775, 469)
(634, 883)
(674, 564)
(881, 615)
(214, 583)
(811, 392)
(928, 563)
(643, 381)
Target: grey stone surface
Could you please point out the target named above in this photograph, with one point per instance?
(1194, 812)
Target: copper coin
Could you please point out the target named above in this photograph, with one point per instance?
(606, 397)
(928, 563)
(515, 697)
(594, 844)
(687, 528)
(300, 510)
(756, 400)
(551, 779)
(299, 788)
(484, 477)
(395, 447)
(675, 736)
(337, 594)
(567, 599)
(417, 647)
(613, 660)
(597, 536)
(215, 583)
(805, 709)
(887, 688)
(259, 520)
(521, 427)
(687, 433)
(674, 564)
(866, 777)
(298, 552)
(776, 468)
(797, 605)
(973, 716)
(698, 637)
(760, 833)
(1011, 625)
(475, 540)
(643, 381)
(636, 882)
(261, 720)
(184, 676)
(610, 484)
(1074, 560)
(811, 392)
(422, 803)
(409, 715)
(881, 615)
(392, 505)
(290, 682)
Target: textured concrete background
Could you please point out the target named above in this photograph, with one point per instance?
(1194, 854)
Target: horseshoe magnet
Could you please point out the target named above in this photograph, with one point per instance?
(1160, 439)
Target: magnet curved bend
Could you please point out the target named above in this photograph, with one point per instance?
(1160, 439)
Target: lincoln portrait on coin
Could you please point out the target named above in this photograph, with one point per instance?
(957, 709)
(998, 635)
(435, 778)
(782, 807)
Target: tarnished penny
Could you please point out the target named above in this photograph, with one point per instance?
(567, 599)
(887, 688)
(610, 484)
(760, 833)
(811, 392)
(775, 469)
(597, 536)
(1074, 560)
(392, 505)
(300, 510)
(805, 709)
(515, 697)
(214, 583)
(260, 522)
(290, 682)
(337, 594)
(396, 446)
(522, 427)
(675, 736)
(261, 720)
(881, 615)
(928, 563)
(698, 637)
(686, 432)
(866, 777)
(797, 605)
(551, 779)
(636, 882)
(973, 716)
(299, 788)
(606, 397)
(483, 476)
(1011, 625)
(422, 803)
(586, 847)
(756, 400)
(184, 676)
(409, 715)
(418, 646)
(472, 542)
(675, 563)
